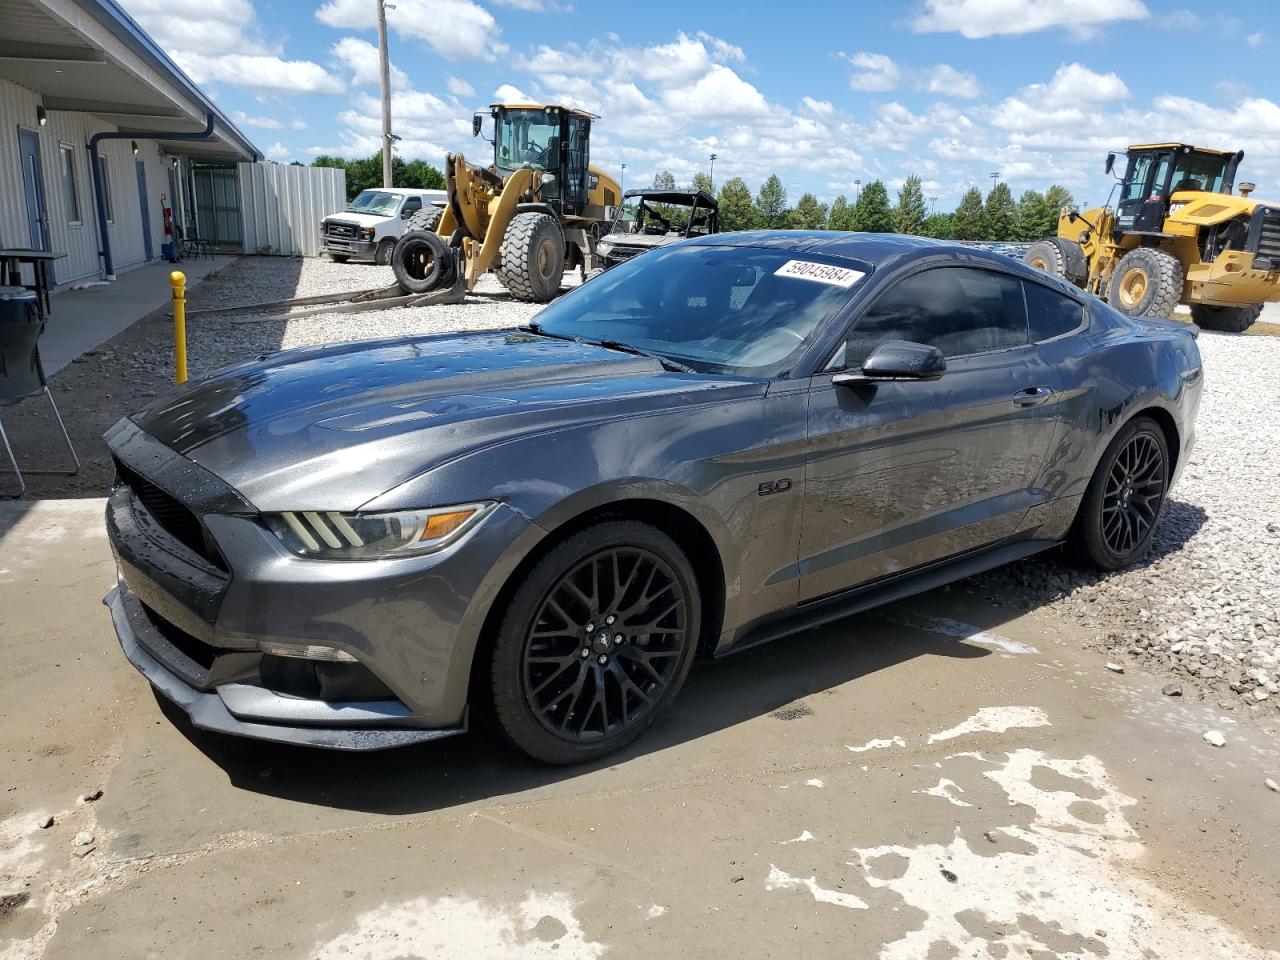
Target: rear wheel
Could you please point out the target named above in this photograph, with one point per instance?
(1146, 282)
(1225, 319)
(1118, 515)
(531, 261)
(596, 642)
(1062, 258)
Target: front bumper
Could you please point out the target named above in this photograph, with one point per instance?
(350, 248)
(246, 711)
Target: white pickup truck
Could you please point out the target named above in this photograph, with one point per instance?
(371, 223)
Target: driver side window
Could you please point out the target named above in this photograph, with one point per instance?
(959, 310)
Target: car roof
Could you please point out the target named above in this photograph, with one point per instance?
(877, 249)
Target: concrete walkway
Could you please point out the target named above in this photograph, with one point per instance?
(82, 319)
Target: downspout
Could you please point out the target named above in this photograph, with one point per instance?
(100, 190)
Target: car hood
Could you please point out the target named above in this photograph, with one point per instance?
(361, 219)
(334, 427)
(640, 239)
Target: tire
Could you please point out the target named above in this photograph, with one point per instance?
(427, 219)
(1060, 257)
(382, 255)
(422, 261)
(531, 257)
(1117, 521)
(539, 676)
(339, 257)
(1225, 319)
(1146, 283)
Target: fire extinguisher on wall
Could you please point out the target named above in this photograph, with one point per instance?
(170, 249)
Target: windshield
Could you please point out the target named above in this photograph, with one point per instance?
(377, 202)
(740, 310)
(527, 137)
(1199, 171)
(663, 219)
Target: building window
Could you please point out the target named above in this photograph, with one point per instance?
(70, 189)
(106, 189)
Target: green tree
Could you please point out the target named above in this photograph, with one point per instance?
(664, 180)
(366, 173)
(771, 205)
(938, 226)
(418, 174)
(737, 212)
(1055, 198)
(872, 212)
(1000, 214)
(966, 222)
(841, 215)
(1030, 215)
(910, 213)
(702, 181)
(809, 214)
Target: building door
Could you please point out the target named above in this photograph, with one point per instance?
(146, 208)
(33, 190)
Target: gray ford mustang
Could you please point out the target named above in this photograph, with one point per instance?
(706, 448)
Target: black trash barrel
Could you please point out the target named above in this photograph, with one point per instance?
(21, 374)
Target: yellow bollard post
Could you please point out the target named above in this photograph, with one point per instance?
(178, 280)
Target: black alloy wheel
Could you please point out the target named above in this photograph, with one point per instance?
(597, 641)
(1118, 516)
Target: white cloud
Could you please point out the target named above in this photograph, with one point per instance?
(719, 93)
(1254, 39)
(279, 152)
(361, 58)
(460, 88)
(823, 108)
(259, 72)
(510, 94)
(986, 18)
(529, 6)
(1074, 82)
(873, 72)
(453, 29)
(221, 41)
(947, 81)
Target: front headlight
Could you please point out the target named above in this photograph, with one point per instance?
(330, 535)
(367, 233)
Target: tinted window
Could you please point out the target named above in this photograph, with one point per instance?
(1050, 313)
(958, 310)
(410, 204)
(721, 309)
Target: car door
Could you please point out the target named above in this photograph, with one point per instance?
(900, 474)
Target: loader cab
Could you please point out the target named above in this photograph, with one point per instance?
(551, 138)
(1153, 173)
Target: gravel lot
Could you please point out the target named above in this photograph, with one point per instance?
(1201, 608)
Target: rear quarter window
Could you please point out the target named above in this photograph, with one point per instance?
(1051, 314)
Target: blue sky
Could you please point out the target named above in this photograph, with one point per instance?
(821, 93)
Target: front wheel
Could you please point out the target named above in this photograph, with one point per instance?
(596, 642)
(1118, 515)
(382, 255)
(531, 257)
(1146, 283)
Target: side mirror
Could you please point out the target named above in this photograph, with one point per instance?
(897, 360)
(406, 214)
(476, 122)
(1111, 161)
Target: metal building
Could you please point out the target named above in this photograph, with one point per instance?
(107, 149)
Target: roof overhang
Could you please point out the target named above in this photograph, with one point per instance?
(89, 56)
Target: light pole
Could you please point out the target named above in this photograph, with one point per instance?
(857, 190)
(932, 202)
(384, 65)
(713, 172)
(995, 175)
(623, 185)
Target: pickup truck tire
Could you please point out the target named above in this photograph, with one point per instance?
(1225, 319)
(338, 257)
(382, 255)
(531, 261)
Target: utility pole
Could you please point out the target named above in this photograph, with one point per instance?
(995, 175)
(857, 190)
(384, 65)
(623, 185)
(713, 172)
(932, 202)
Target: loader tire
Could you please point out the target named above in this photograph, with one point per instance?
(426, 219)
(1225, 319)
(422, 261)
(1063, 258)
(1146, 283)
(531, 258)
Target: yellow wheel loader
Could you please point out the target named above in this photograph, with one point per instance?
(537, 210)
(1176, 235)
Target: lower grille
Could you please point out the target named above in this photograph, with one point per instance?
(180, 652)
(172, 515)
(1265, 238)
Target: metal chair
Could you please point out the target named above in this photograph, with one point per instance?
(21, 372)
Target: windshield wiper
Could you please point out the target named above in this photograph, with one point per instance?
(628, 348)
(537, 328)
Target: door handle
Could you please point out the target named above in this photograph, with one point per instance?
(1032, 396)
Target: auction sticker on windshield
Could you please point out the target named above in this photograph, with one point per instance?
(820, 272)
